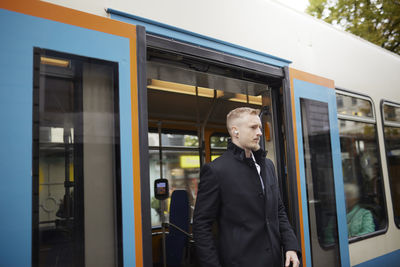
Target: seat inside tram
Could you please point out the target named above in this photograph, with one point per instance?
(188, 101)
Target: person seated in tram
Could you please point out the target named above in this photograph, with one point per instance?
(360, 221)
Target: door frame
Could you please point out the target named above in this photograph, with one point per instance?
(305, 85)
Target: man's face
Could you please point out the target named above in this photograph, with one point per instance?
(249, 132)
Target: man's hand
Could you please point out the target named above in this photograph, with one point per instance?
(291, 256)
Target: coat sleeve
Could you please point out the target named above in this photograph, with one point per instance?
(288, 238)
(205, 213)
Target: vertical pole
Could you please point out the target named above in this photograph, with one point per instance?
(164, 249)
(160, 148)
(162, 202)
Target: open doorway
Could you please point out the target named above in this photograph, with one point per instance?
(188, 100)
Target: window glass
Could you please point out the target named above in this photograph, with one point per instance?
(352, 106)
(180, 167)
(218, 144)
(76, 210)
(320, 183)
(153, 139)
(173, 139)
(219, 141)
(392, 144)
(391, 113)
(363, 184)
(361, 175)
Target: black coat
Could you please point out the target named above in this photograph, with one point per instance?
(252, 224)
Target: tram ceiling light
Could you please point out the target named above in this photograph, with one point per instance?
(202, 91)
(55, 62)
(255, 100)
(182, 88)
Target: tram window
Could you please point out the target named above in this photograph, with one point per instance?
(218, 144)
(174, 140)
(391, 113)
(352, 106)
(76, 200)
(392, 143)
(365, 206)
(180, 165)
(219, 141)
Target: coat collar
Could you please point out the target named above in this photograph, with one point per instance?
(241, 155)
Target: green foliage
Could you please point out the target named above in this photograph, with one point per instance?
(377, 21)
(219, 141)
(191, 140)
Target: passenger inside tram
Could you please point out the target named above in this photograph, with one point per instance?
(360, 221)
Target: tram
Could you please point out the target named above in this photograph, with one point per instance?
(100, 99)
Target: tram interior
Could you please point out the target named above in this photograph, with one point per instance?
(188, 101)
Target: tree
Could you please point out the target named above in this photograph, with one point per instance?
(377, 21)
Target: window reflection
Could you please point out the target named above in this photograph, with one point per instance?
(391, 113)
(352, 106)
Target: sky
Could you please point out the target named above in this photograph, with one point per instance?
(299, 5)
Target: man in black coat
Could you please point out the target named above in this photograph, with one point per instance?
(239, 191)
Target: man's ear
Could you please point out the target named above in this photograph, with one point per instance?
(235, 131)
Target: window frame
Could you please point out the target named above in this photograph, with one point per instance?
(390, 124)
(373, 121)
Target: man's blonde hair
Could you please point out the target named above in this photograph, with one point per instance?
(237, 113)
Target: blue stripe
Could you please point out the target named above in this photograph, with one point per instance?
(303, 185)
(21, 33)
(390, 259)
(175, 33)
(308, 90)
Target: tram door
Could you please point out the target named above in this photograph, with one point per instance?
(324, 218)
(65, 90)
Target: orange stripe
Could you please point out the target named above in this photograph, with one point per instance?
(311, 78)
(77, 18)
(307, 77)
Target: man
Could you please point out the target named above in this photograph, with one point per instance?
(239, 191)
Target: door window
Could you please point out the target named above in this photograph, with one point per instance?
(320, 183)
(76, 161)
